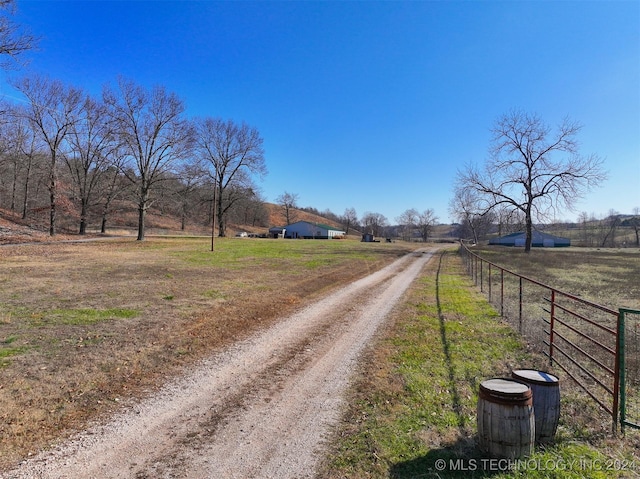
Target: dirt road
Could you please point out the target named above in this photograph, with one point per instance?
(260, 409)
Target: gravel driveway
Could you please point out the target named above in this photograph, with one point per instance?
(261, 409)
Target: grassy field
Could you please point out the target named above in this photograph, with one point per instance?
(413, 412)
(84, 326)
(605, 276)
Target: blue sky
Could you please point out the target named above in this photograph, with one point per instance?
(370, 105)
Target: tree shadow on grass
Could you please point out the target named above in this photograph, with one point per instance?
(455, 394)
(462, 458)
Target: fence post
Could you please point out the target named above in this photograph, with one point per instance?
(551, 325)
(501, 292)
(619, 380)
(475, 270)
(618, 393)
(520, 308)
(467, 258)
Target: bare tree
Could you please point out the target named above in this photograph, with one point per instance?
(32, 159)
(532, 169)
(113, 185)
(190, 179)
(408, 221)
(608, 227)
(425, 223)
(5, 153)
(584, 222)
(11, 140)
(509, 220)
(464, 207)
(52, 111)
(234, 154)
(23, 157)
(349, 219)
(14, 39)
(154, 133)
(250, 209)
(635, 224)
(288, 204)
(92, 142)
(374, 223)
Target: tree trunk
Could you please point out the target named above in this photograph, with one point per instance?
(105, 211)
(142, 208)
(529, 233)
(474, 232)
(222, 229)
(25, 200)
(14, 187)
(83, 217)
(141, 215)
(52, 200)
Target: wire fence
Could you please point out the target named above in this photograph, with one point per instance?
(584, 339)
(630, 368)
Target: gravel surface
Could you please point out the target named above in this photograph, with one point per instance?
(261, 409)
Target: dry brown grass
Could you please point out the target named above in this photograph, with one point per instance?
(85, 326)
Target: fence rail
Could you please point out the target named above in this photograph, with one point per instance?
(583, 338)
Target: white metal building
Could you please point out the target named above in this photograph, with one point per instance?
(308, 230)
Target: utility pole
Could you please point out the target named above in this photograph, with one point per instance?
(215, 207)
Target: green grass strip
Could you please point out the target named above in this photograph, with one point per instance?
(414, 412)
(83, 316)
(7, 351)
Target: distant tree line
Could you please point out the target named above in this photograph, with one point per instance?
(411, 225)
(614, 230)
(72, 154)
(69, 153)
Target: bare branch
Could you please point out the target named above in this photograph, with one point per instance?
(14, 39)
(532, 169)
(233, 153)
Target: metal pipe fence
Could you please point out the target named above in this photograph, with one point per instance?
(584, 339)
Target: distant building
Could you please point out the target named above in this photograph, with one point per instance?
(368, 238)
(306, 230)
(277, 232)
(538, 239)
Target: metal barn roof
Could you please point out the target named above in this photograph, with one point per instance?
(538, 239)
